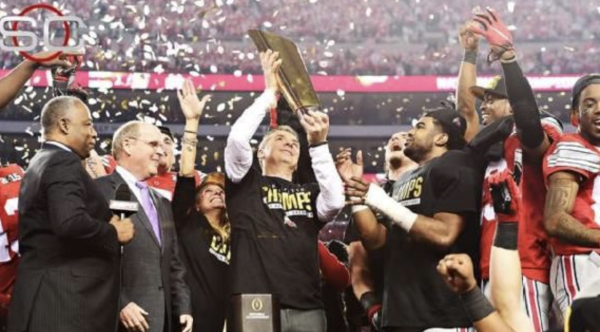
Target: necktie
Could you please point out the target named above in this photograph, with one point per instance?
(149, 208)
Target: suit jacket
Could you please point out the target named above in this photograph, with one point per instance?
(152, 273)
(68, 278)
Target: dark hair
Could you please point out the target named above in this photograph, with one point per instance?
(165, 130)
(55, 109)
(451, 123)
(582, 83)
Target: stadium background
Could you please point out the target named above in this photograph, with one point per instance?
(376, 63)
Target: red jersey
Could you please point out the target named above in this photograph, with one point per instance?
(572, 153)
(165, 183)
(533, 249)
(10, 183)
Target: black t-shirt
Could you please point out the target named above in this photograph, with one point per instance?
(206, 258)
(274, 239)
(416, 295)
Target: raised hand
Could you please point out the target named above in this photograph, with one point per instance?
(270, 63)
(346, 167)
(457, 272)
(356, 191)
(61, 61)
(494, 31)
(316, 125)
(191, 106)
(506, 196)
(468, 40)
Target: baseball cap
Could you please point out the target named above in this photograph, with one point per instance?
(453, 124)
(496, 87)
(166, 131)
(582, 83)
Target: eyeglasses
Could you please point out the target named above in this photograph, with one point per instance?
(153, 144)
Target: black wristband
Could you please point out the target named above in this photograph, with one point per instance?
(507, 235)
(369, 299)
(476, 306)
(470, 56)
(317, 144)
(190, 132)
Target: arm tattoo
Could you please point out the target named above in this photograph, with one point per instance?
(559, 206)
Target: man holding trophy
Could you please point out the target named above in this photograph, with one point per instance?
(275, 222)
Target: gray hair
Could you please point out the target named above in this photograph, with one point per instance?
(129, 129)
(271, 132)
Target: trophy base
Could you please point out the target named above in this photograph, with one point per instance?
(254, 313)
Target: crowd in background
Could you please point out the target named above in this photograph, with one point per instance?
(399, 37)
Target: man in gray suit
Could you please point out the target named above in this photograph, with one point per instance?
(154, 296)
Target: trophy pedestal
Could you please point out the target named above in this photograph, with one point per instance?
(254, 313)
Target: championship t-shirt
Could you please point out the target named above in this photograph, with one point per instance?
(274, 239)
(415, 294)
(206, 257)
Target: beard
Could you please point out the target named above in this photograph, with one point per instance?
(416, 152)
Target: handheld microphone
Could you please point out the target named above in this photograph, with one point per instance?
(123, 205)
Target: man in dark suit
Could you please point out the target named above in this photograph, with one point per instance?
(68, 279)
(154, 296)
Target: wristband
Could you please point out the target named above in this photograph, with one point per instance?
(358, 208)
(396, 212)
(190, 132)
(476, 306)
(507, 234)
(314, 145)
(470, 56)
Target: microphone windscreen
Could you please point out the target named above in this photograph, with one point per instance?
(123, 193)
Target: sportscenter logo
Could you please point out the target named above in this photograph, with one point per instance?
(14, 33)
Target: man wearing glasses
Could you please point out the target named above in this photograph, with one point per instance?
(153, 290)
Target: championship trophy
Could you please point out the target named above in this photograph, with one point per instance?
(254, 313)
(293, 77)
(63, 79)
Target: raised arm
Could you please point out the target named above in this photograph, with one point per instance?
(192, 109)
(372, 234)
(467, 77)
(533, 139)
(558, 221)
(11, 84)
(457, 272)
(238, 152)
(331, 196)
(505, 265)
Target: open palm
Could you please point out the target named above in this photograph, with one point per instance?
(346, 167)
(191, 106)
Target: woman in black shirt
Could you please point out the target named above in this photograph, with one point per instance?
(202, 226)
